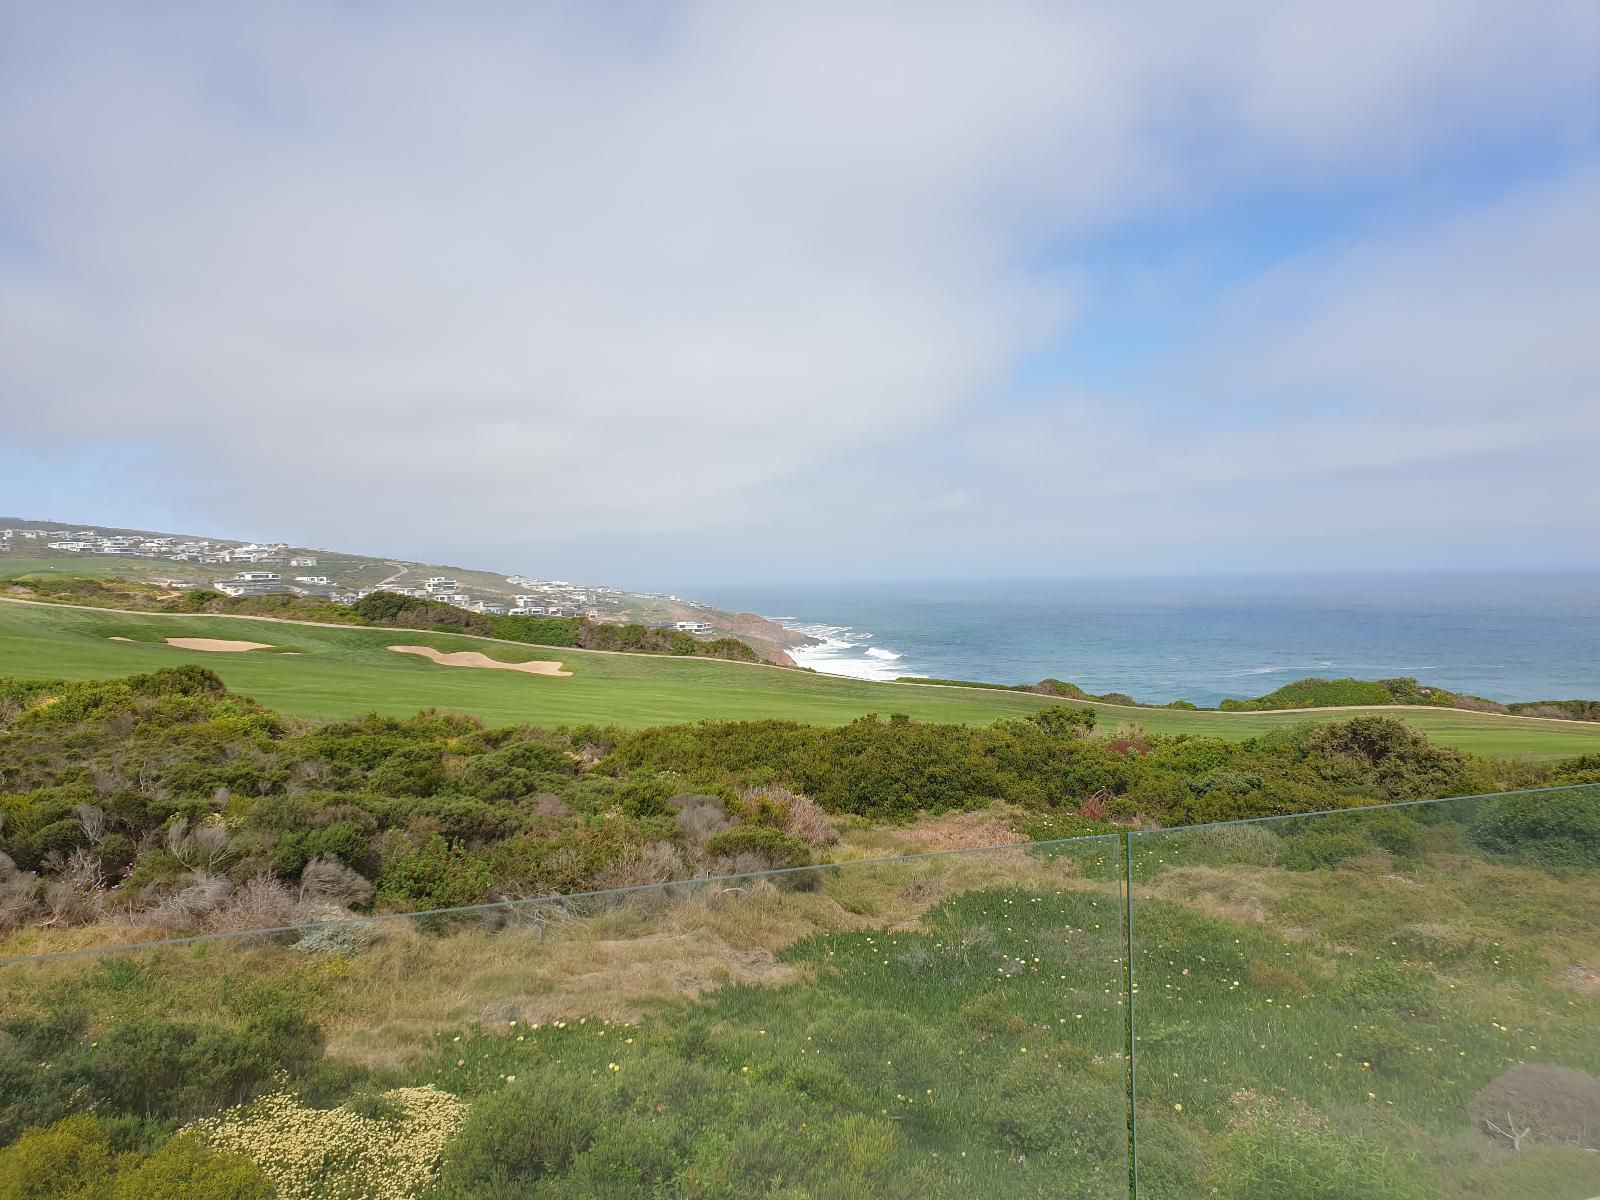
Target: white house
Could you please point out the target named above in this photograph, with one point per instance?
(302, 562)
(259, 577)
(318, 579)
(528, 610)
(692, 626)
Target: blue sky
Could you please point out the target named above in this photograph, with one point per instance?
(694, 293)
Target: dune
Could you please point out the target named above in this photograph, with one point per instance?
(218, 645)
(471, 658)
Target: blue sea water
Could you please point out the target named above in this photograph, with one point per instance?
(1505, 635)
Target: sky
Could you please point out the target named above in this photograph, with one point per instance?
(664, 294)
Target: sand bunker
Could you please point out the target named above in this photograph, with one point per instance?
(471, 658)
(220, 645)
(119, 639)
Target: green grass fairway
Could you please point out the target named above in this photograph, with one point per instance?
(336, 672)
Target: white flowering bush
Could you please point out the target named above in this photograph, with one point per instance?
(337, 1153)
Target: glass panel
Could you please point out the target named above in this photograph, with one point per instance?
(950, 1025)
(1400, 1002)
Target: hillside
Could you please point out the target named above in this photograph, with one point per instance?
(1354, 999)
(29, 547)
(329, 671)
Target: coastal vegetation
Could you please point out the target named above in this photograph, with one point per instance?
(166, 803)
(388, 610)
(1391, 1002)
(394, 611)
(1313, 692)
(323, 671)
(1373, 1001)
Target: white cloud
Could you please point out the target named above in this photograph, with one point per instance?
(466, 276)
(1441, 384)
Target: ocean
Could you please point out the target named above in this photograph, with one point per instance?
(1505, 635)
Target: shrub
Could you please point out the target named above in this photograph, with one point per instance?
(346, 1151)
(526, 1133)
(1325, 693)
(163, 1071)
(799, 814)
(1558, 829)
(343, 840)
(1320, 850)
(328, 881)
(189, 680)
(116, 853)
(1386, 754)
(1393, 831)
(62, 1160)
(637, 866)
(436, 874)
(184, 1169)
(261, 902)
(1063, 721)
(773, 846)
(340, 938)
(1540, 1102)
(701, 817)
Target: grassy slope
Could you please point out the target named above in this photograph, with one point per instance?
(339, 672)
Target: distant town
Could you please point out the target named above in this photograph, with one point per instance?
(273, 568)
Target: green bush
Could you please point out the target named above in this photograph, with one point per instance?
(73, 1160)
(153, 1071)
(436, 874)
(64, 1160)
(1060, 720)
(778, 848)
(1320, 850)
(1558, 829)
(514, 1139)
(184, 1169)
(344, 840)
(1394, 831)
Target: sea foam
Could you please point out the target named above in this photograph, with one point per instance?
(844, 651)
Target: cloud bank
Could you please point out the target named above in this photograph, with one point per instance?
(708, 291)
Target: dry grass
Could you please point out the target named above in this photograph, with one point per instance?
(613, 957)
(948, 831)
(1227, 895)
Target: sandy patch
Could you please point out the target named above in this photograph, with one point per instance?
(119, 639)
(1581, 979)
(471, 658)
(219, 645)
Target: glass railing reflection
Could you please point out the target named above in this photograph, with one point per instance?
(1398, 1002)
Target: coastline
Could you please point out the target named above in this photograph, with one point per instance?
(1205, 641)
(831, 650)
